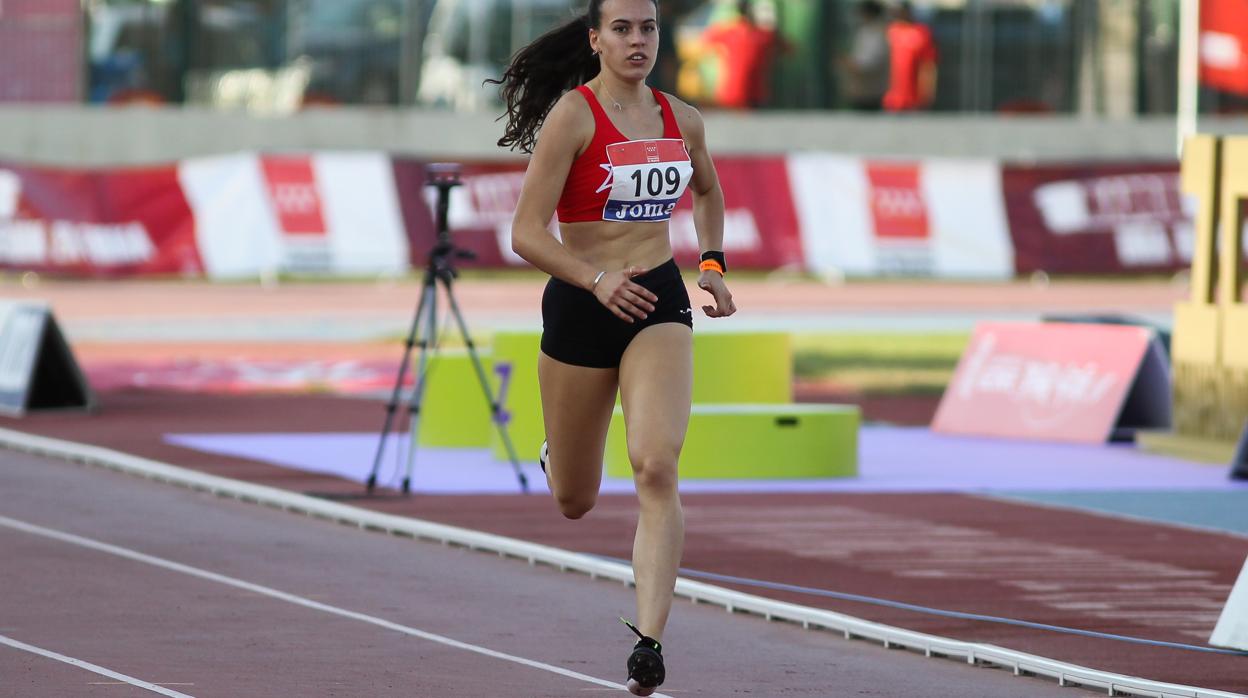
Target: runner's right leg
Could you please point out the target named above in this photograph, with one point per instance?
(576, 405)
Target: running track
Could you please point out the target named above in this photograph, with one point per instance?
(230, 599)
(791, 541)
(949, 551)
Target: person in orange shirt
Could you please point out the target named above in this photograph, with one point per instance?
(746, 50)
(912, 55)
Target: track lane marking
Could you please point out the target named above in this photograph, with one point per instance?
(83, 664)
(270, 592)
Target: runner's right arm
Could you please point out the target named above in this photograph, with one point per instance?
(566, 130)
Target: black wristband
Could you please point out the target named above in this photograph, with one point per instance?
(717, 256)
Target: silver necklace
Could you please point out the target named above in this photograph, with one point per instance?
(614, 101)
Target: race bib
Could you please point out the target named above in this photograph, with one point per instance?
(647, 179)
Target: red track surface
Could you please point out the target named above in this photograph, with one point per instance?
(950, 551)
(177, 300)
(955, 552)
(300, 632)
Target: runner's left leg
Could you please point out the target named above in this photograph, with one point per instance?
(656, 386)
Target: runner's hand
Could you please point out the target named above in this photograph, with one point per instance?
(624, 298)
(713, 283)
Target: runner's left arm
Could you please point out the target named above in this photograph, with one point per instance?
(708, 208)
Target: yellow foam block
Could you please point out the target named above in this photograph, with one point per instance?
(757, 441)
(742, 367)
(454, 412)
(733, 367)
(523, 400)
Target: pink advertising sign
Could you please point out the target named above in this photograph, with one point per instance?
(1057, 382)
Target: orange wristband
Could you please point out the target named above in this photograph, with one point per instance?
(711, 265)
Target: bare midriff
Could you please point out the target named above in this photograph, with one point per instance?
(616, 246)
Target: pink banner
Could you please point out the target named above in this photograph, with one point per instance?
(96, 222)
(1052, 381)
(761, 228)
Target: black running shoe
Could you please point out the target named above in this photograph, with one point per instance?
(645, 664)
(543, 456)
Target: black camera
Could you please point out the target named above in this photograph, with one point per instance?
(443, 174)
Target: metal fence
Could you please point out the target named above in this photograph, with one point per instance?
(1107, 57)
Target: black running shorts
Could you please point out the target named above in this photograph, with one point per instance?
(578, 330)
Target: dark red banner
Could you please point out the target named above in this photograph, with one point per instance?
(1224, 45)
(479, 216)
(96, 223)
(1097, 219)
(761, 229)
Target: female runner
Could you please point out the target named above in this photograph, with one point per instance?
(612, 159)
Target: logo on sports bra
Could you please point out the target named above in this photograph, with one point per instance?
(646, 178)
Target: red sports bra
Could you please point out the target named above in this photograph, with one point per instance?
(619, 180)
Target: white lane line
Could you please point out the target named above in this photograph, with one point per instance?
(81, 664)
(121, 683)
(297, 600)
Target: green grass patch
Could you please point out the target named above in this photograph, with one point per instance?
(885, 363)
(871, 364)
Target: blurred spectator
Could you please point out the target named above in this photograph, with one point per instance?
(912, 54)
(866, 66)
(746, 50)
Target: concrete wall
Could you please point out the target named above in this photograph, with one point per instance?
(86, 136)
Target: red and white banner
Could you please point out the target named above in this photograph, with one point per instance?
(1050, 381)
(1224, 45)
(938, 217)
(96, 222)
(332, 213)
(325, 213)
(1098, 219)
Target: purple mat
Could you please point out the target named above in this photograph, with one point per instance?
(891, 459)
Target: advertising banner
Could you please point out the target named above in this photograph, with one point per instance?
(1098, 219)
(760, 222)
(1055, 381)
(96, 222)
(939, 217)
(761, 226)
(365, 213)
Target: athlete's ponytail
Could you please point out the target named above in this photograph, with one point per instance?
(541, 72)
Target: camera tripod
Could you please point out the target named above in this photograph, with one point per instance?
(439, 269)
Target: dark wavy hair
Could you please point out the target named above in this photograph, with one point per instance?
(541, 72)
